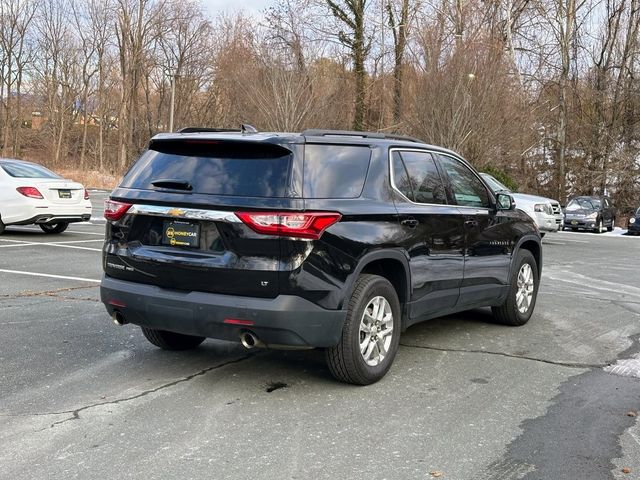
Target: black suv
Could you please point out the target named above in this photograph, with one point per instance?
(330, 239)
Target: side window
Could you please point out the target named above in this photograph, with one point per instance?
(467, 188)
(335, 171)
(401, 177)
(416, 176)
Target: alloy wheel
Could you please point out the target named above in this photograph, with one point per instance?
(376, 331)
(524, 295)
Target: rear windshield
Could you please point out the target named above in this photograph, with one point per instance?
(238, 169)
(27, 170)
(335, 171)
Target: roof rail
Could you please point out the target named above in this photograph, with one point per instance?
(244, 128)
(353, 133)
(205, 129)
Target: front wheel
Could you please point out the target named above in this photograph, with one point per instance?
(612, 226)
(523, 290)
(54, 228)
(599, 228)
(370, 335)
(171, 340)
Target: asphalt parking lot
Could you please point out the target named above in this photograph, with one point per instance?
(465, 399)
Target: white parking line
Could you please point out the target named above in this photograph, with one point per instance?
(71, 246)
(66, 242)
(18, 243)
(26, 229)
(47, 275)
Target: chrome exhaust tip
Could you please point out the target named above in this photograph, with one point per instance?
(249, 340)
(118, 318)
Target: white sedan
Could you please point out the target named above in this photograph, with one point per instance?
(32, 194)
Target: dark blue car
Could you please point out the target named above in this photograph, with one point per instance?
(633, 227)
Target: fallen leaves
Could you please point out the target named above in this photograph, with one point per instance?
(632, 414)
(626, 470)
(436, 474)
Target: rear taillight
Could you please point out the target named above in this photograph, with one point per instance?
(31, 192)
(300, 225)
(86, 194)
(115, 210)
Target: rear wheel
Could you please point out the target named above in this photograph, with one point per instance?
(54, 228)
(2, 227)
(171, 340)
(521, 299)
(370, 335)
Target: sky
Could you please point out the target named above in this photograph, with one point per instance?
(250, 6)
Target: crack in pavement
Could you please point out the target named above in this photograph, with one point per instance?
(509, 355)
(75, 414)
(53, 293)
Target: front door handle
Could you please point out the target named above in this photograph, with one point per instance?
(470, 223)
(410, 222)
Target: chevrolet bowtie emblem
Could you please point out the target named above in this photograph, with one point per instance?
(176, 212)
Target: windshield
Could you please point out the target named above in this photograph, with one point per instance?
(494, 184)
(583, 203)
(27, 170)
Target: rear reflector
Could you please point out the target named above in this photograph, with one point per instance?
(287, 224)
(117, 303)
(235, 321)
(31, 192)
(115, 210)
(86, 194)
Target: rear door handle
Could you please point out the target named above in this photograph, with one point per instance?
(470, 223)
(410, 222)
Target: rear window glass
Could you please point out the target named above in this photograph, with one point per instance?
(335, 171)
(27, 170)
(246, 170)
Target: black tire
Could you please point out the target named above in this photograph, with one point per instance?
(171, 340)
(345, 360)
(612, 226)
(2, 227)
(508, 313)
(54, 228)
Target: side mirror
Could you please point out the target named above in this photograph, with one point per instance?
(504, 201)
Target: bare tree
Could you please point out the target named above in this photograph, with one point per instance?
(351, 14)
(399, 23)
(15, 20)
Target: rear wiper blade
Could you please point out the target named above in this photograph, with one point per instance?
(172, 183)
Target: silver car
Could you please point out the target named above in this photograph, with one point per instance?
(545, 212)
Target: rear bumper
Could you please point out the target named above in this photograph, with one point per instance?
(52, 219)
(284, 321)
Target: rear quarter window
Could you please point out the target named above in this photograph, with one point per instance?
(335, 171)
(241, 169)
